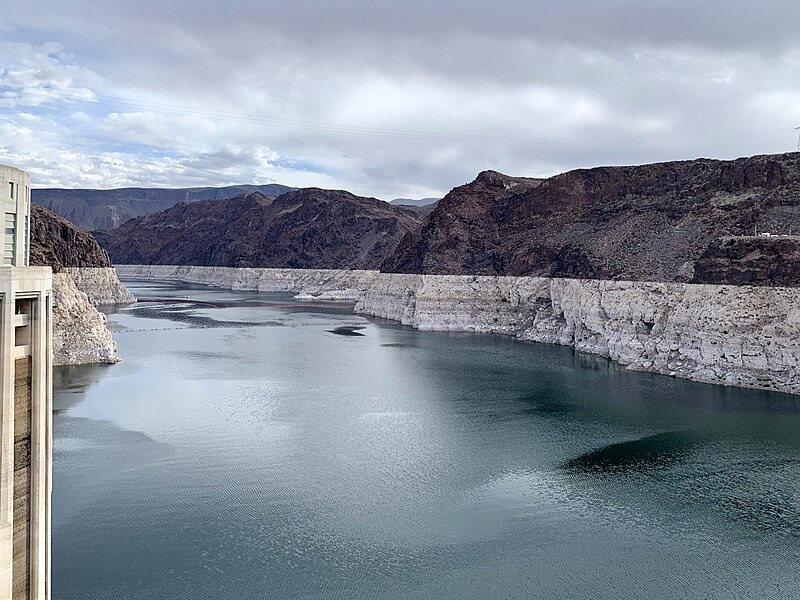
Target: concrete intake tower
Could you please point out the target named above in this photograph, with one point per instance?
(27, 398)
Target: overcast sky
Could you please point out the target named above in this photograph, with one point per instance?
(387, 99)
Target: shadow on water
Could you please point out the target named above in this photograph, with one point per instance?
(348, 330)
(650, 452)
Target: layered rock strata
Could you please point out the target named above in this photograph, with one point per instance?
(751, 260)
(733, 335)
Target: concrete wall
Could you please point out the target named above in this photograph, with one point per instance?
(21, 582)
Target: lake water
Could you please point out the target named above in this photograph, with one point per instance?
(253, 447)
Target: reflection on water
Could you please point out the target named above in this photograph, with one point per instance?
(243, 451)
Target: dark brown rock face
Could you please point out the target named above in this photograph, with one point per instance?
(751, 260)
(58, 243)
(650, 222)
(459, 236)
(308, 228)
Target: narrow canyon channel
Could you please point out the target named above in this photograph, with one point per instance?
(252, 446)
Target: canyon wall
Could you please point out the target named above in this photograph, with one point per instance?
(344, 285)
(734, 335)
(676, 222)
(80, 331)
(745, 336)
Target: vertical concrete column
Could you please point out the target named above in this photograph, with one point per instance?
(48, 442)
(41, 436)
(40, 454)
(6, 443)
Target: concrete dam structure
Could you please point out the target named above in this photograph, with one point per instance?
(26, 408)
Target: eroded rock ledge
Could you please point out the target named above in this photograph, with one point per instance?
(733, 335)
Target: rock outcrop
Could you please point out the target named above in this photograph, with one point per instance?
(305, 229)
(80, 331)
(82, 278)
(100, 284)
(642, 223)
(751, 260)
(57, 243)
(106, 209)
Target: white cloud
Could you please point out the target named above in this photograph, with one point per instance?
(36, 76)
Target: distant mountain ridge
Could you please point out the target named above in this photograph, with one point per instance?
(106, 209)
(413, 202)
(305, 229)
(421, 207)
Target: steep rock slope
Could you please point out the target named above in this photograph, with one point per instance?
(80, 331)
(650, 222)
(305, 229)
(83, 276)
(58, 243)
(105, 209)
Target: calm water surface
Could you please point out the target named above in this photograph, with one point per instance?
(254, 447)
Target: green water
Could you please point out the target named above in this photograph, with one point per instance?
(252, 447)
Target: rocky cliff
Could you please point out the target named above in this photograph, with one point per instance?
(305, 229)
(643, 223)
(106, 209)
(80, 331)
(57, 243)
(100, 284)
(83, 277)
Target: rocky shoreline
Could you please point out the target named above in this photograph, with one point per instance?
(744, 336)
